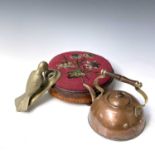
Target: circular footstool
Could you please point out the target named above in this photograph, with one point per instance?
(78, 67)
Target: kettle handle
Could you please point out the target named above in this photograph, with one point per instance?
(124, 79)
(121, 78)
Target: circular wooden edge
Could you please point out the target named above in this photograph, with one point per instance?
(82, 97)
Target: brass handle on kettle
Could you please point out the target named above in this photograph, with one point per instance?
(121, 78)
(134, 83)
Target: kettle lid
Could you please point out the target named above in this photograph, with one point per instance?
(118, 99)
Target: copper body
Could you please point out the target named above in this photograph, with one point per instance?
(116, 114)
(113, 116)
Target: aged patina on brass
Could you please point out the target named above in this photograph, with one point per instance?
(116, 114)
(39, 82)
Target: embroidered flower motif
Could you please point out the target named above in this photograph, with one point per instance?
(79, 56)
(80, 64)
(76, 56)
(92, 64)
(66, 65)
(88, 55)
(76, 74)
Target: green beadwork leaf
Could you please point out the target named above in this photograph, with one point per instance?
(76, 56)
(76, 74)
(88, 55)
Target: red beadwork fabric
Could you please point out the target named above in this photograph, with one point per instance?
(77, 67)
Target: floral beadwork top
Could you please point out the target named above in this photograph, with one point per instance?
(79, 67)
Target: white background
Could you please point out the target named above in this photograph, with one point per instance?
(122, 32)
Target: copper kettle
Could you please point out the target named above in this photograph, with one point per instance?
(116, 114)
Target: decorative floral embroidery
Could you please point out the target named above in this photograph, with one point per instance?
(88, 55)
(92, 64)
(76, 56)
(66, 65)
(76, 74)
(80, 63)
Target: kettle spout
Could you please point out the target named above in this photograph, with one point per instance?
(91, 91)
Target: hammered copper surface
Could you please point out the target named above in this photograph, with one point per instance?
(113, 116)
